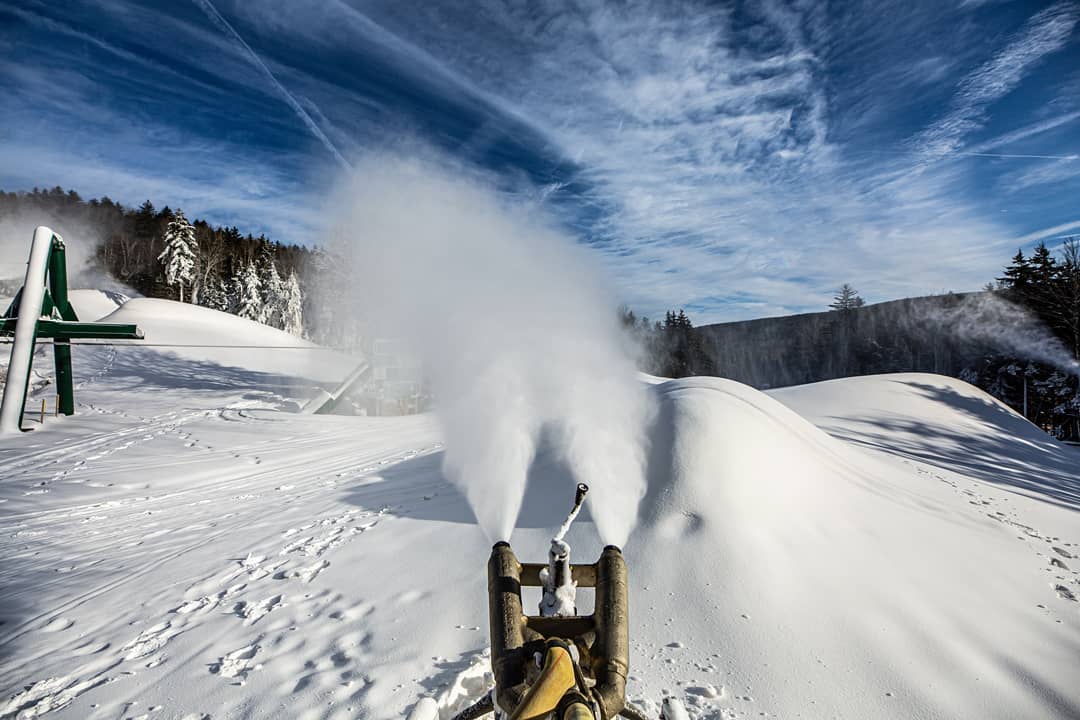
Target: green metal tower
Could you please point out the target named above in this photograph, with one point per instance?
(50, 317)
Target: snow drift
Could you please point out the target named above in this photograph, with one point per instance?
(836, 583)
(92, 305)
(197, 333)
(887, 547)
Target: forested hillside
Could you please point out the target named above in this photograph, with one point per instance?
(1018, 339)
(897, 336)
(161, 253)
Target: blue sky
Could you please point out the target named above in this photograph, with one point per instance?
(735, 159)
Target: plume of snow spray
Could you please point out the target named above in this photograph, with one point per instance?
(992, 320)
(17, 230)
(515, 326)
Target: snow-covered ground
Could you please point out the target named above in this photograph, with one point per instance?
(186, 547)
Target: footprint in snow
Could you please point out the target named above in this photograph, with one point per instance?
(253, 612)
(90, 647)
(150, 641)
(57, 624)
(410, 596)
(237, 664)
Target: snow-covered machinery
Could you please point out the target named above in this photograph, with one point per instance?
(557, 664)
(41, 310)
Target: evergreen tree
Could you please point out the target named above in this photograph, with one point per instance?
(1043, 265)
(1017, 276)
(215, 294)
(179, 255)
(270, 285)
(146, 220)
(234, 290)
(249, 302)
(292, 309)
(1064, 299)
(273, 297)
(847, 298)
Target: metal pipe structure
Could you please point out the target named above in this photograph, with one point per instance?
(559, 597)
(33, 314)
(606, 632)
(65, 388)
(507, 625)
(22, 350)
(324, 400)
(611, 651)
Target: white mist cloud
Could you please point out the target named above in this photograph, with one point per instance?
(17, 231)
(990, 319)
(515, 325)
(1045, 32)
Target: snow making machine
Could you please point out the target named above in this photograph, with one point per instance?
(558, 664)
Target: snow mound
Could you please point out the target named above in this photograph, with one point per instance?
(812, 578)
(201, 334)
(92, 305)
(882, 547)
(945, 422)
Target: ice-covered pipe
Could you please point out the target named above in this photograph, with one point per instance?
(22, 350)
(320, 400)
(560, 591)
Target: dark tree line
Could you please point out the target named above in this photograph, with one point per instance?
(1048, 288)
(670, 348)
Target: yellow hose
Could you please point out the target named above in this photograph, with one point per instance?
(555, 679)
(577, 711)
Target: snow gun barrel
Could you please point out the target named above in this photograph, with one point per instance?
(602, 639)
(560, 592)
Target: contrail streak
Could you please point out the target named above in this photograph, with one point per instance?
(964, 153)
(215, 17)
(1007, 155)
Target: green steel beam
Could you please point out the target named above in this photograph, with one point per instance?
(65, 383)
(13, 308)
(58, 280)
(64, 330)
(55, 302)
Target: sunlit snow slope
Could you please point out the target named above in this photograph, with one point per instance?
(888, 547)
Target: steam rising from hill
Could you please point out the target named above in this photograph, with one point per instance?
(515, 326)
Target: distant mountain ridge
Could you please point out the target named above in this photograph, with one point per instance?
(896, 336)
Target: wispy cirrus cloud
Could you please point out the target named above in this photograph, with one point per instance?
(737, 160)
(1044, 33)
(703, 139)
(1062, 170)
(1026, 132)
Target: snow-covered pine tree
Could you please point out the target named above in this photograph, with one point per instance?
(271, 287)
(180, 253)
(214, 295)
(292, 308)
(234, 290)
(249, 303)
(273, 295)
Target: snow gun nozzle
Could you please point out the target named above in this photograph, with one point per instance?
(579, 498)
